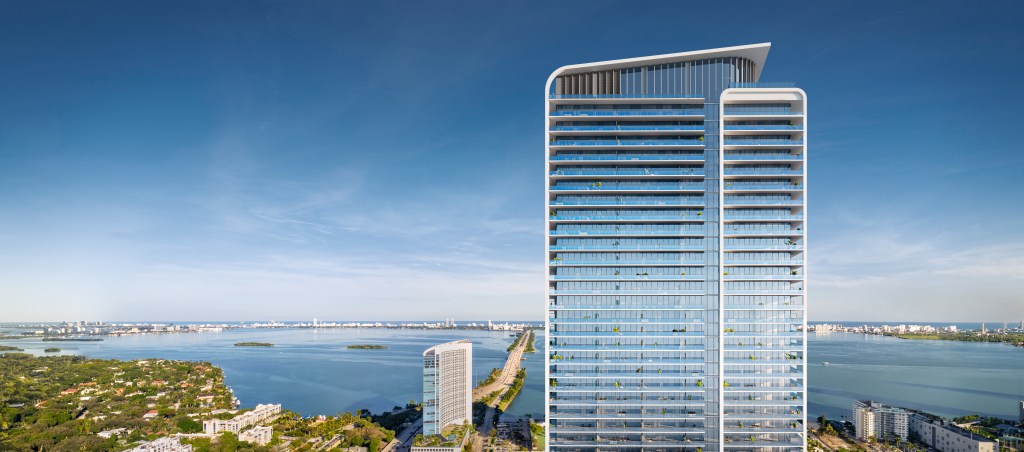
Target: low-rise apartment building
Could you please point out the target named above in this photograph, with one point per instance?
(949, 438)
(262, 413)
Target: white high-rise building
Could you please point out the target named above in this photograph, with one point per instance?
(676, 254)
(447, 386)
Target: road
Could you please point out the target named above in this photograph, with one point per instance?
(406, 436)
(508, 373)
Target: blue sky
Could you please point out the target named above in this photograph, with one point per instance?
(349, 160)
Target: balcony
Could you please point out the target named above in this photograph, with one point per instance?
(763, 187)
(763, 143)
(796, 277)
(768, 127)
(622, 218)
(631, 172)
(755, 262)
(752, 201)
(626, 348)
(760, 111)
(762, 233)
(759, 156)
(628, 202)
(627, 278)
(630, 128)
(624, 307)
(675, 112)
(630, 157)
(613, 187)
(650, 247)
(763, 247)
(629, 233)
(627, 96)
(671, 263)
(625, 292)
(735, 217)
(763, 292)
(763, 172)
(666, 143)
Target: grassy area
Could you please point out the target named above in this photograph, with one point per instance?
(529, 345)
(510, 394)
(366, 347)
(451, 436)
(1010, 338)
(537, 432)
(528, 334)
(253, 344)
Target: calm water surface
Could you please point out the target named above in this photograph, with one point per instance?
(311, 371)
(947, 378)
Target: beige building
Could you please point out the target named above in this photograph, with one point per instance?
(166, 444)
(875, 420)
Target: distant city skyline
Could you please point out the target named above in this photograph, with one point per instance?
(254, 160)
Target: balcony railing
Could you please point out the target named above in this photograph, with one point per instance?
(765, 262)
(634, 263)
(762, 85)
(627, 278)
(626, 128)
(763, 277)
(760, 171)
(766, 247)
(764, 187)
(626, 96)
(633, 172)
(611, 186)
(763, 156)
(574, 143)
(763, 202)
(638, 202)
(627, 157)
(631, 112)
(651, 247)
(626, 233)
(762, 127)
(762, 217)
(764, 142)
(750, 111)
(625, 217)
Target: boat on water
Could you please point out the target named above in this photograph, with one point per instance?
(826, 363)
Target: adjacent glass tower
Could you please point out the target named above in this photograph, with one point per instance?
(675, 246)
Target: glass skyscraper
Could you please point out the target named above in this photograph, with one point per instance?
(676, 197)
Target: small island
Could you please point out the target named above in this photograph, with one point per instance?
(51, 350)
(253, 344)
(366, 347)
(8, 348)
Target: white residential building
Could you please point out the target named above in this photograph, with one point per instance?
(875, 420)
(166, 444)
(262, 413)
(447, 386)
(949, 438)
(259, 435)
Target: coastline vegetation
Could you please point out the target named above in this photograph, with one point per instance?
(1010, 338)
(523, 336)
(253, 344)
(510, 394)
(491, 378)
(51, 350)
(72, 339)
(366, 347)
(9, 348)
(529, 345)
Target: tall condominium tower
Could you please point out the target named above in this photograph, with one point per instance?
(447, 386)
(676, 254)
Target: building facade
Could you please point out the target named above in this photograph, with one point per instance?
(261, 414)
(447, 386)
(882, 422)
(949, 438)
(676, 198)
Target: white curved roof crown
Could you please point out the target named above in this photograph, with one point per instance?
(459, 344)
(756, 53)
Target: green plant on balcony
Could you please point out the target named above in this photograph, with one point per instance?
(700, 383)
(682, 273)
(750, 397)
(725, 273)
(615, 329)
(664, 411)
(739, 424)
(617, 344)
(793, 272)
(617, 385)
(700, 214)
(752, 357)
(700, 138)
(639, 370)
(725, 384)
(760, 344)
(753, 438)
